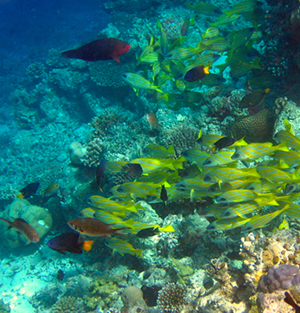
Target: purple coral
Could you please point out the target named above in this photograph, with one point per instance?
(279, 278)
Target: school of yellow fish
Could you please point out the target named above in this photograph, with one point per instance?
(165, 62)
(250, 184)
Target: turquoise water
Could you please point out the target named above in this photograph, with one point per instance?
(118, 198)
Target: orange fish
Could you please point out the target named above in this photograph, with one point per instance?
(152, 119)
(92, 227)
(24, 228)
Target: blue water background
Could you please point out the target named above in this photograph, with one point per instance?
(29, 28)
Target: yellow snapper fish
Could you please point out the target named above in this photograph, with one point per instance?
(228, 174)
(163, 39)
(228, 223)
(123, 247)
(139, 189)
(211, 32)
(243, 7)
(274, 175)
(290, 157)
(240, 210)
(138, 226)
(283, 225)
(287, 137)
(257, 150)
(110, 205)
(115, 166)
(219, 159)
(193, 183)
(158, 151)
(208, 139)
(196, 156)
(113, 220)
(260, 221)
(206, 8)
(139, 82)
(234, 196)
(150, 165)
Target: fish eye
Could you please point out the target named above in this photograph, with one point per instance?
(124, 75)
(235, 156)
(222, 199)
(207, 162)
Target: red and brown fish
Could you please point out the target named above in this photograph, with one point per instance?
(24, 228)
(92, 227)
(100, 49)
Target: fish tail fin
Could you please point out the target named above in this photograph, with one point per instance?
(267, 90)
(6, 221)
(167, 228)
(117, 59)
(139, 253)
(282, 147)
(157, 89)
(206, 70)
(117, 231)
(87, 245)
(20, 196)
(129, 224)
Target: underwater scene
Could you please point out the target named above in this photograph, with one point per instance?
(150, 156)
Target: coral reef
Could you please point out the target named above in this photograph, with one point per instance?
(182, 137)
(132, 298)
(36, 70)
(94, 153)
(255, 128)
(108, 74)
(171, 298)
(67, 305)
(4, 308)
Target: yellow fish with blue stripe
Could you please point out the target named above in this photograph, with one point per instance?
(257, 150)
(240, 210)
(287, 137)
(228, 174)
(219, 159)
(274, 175)
(139, 82)
(291, 157)
(228, 223)
(110, 205)
(123, 247)
(234, 196)
(260, 221)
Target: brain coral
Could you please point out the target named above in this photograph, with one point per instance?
(39, 218)
(255, 128)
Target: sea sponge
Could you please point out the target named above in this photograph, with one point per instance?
(171, 298)
(280, 278)
(39, 218)
(132, 298)
(255, 128)
(67, 305)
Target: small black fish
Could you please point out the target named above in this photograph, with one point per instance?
(163, 194)
(133, 169)
(100, 173)
(196, 73)
(60, 275)
(29, 190)
(289, 300)
(223, 143)
(148, 232)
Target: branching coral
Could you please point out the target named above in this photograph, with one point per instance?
(94, 153)
(67, 305)
(182, 138)
(36, 70)
(171, 298)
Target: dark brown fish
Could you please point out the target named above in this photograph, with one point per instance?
(254, 98)
(196, 73)
(148, 232)
(69, 242)
(152, 119)
(100, 173)
(163, 194)
(133, 169)
(100, 49)
(92, 227)
(289, 300)
(24, 228)
(28, 191)
(223, 143)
